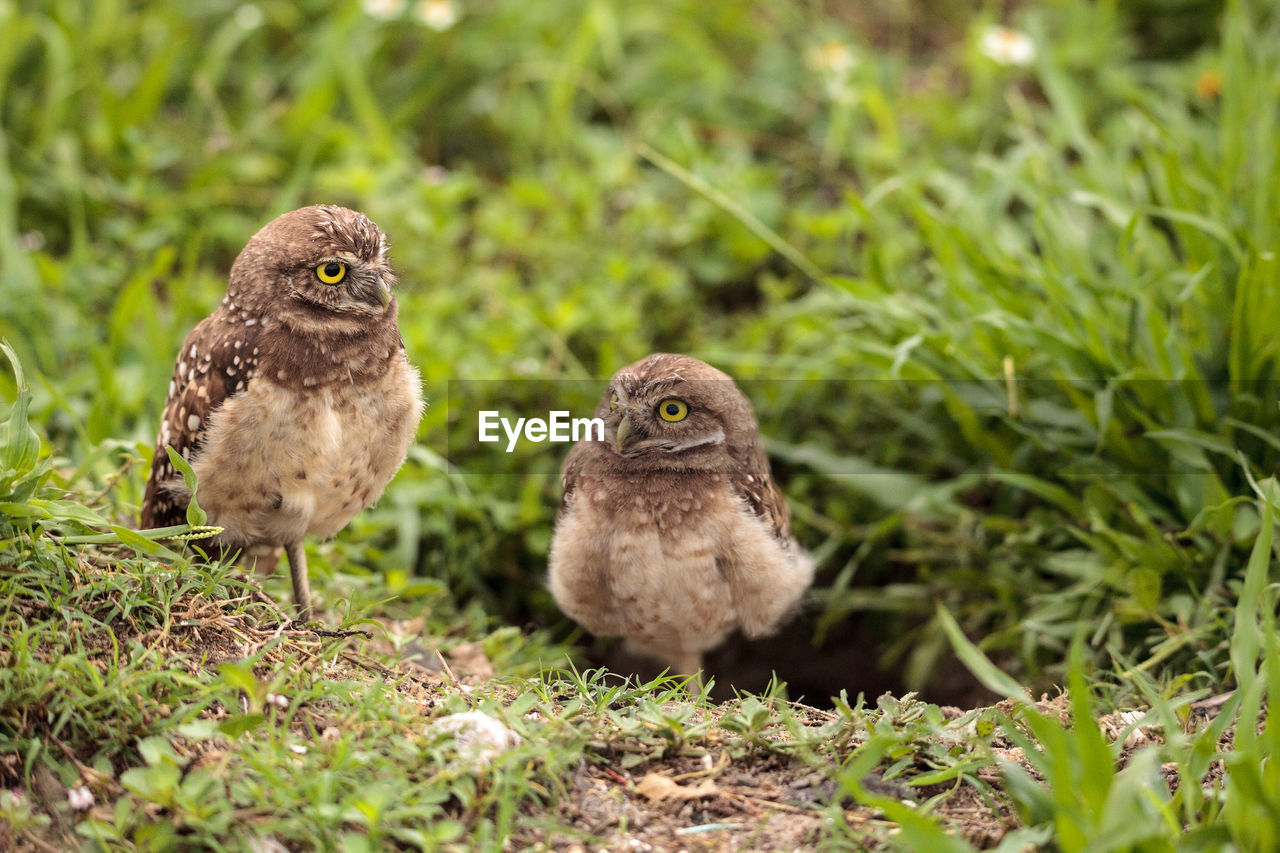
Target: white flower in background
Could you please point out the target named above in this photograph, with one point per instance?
(249, 17)
(834, 62)
(435, 175)
(80, 798)
(477, 736)
(384, 10)
(1007, 46)
(834, 57)
(439, 15)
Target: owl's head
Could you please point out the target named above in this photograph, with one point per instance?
(316, 267)
(678, 413)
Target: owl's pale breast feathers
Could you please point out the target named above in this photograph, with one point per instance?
(279, 462)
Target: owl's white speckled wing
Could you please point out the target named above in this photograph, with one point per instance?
(217, 361)
(752, 481)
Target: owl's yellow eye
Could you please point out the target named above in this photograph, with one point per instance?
(672, 410)
(613, 401)
(331, 272)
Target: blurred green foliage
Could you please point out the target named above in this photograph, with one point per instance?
(1033, 306)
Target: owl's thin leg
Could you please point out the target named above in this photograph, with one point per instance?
(298, 571)
(688, 663)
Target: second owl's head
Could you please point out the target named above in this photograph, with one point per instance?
(316, 267)
(676, 412)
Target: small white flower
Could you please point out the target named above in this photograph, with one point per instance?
(384, 10)
(80, 798)
(438, 15)
(249, 17)
(435, 175)
(1007, 46)
(834, 57)
(277, 700)
(477, 736)
(298, 748)
(834, 62)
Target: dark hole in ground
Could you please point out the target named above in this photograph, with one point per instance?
(849, 659)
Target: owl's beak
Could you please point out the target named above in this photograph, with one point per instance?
(626, 435)
(384, 294)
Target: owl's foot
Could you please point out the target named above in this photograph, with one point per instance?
(298, 571)
(260, 559)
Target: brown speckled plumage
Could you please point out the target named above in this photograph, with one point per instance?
(293, 401)
(673, 534)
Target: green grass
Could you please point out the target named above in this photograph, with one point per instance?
(1010, 333)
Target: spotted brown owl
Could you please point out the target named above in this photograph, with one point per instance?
(671, 532)
(294, 401)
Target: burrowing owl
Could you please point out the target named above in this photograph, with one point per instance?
(671, 532)
(293, 401)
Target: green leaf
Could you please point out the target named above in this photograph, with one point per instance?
(977, 663)
(238, 725)
(196, 517)
(19, 444)
(158, 750)
(22, 510)
(1246, 639)
(70, 511)
(152, 783)
(142, 544)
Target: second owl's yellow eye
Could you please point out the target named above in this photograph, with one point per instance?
(331, 272)
(613, 401)
(672, 410)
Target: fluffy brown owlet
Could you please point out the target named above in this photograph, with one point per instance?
(671, 532)
(293, 401)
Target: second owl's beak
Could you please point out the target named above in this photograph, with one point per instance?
(626, 435)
